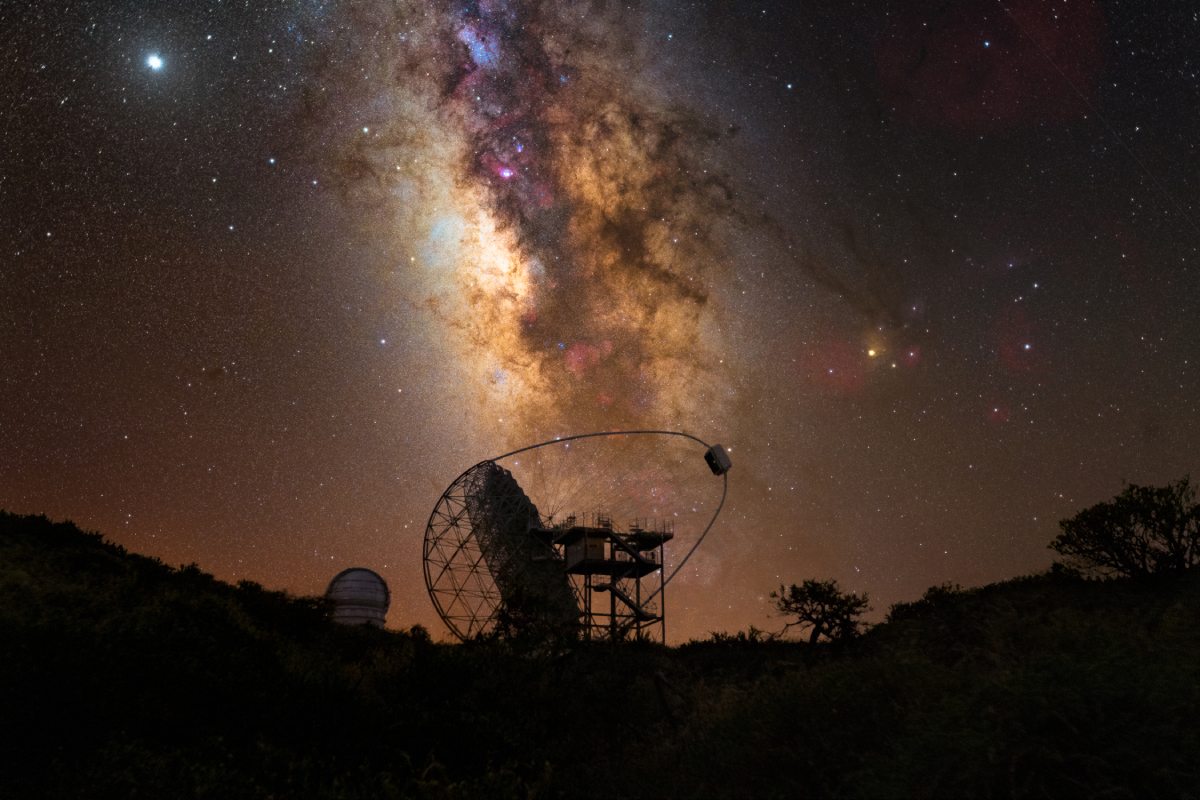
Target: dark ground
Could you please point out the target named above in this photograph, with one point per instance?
(122, 676)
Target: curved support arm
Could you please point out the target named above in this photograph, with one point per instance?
(724, 481)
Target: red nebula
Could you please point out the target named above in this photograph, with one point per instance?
(581, 356)
(970, 66)
(1017, 348)
(543, 194)
(836, 366)
(501, 169)
(998, 413)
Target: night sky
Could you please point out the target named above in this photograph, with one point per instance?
(273, 274)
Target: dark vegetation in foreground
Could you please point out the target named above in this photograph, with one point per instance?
(120, 676)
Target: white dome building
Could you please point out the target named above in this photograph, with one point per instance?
(360, 597)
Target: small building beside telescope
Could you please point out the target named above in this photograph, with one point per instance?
(360, 597)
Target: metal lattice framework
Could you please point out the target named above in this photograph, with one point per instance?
(485, 562)
(493, 565)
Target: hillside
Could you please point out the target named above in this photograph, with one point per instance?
(121, 676)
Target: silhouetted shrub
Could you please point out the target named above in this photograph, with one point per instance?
(1142, 531)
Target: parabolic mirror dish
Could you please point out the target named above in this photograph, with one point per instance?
(483, 566)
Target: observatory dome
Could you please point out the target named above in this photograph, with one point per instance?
(360, 597)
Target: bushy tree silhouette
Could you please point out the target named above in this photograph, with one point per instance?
(823, 608)
(1145, 530)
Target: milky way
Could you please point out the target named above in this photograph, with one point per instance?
(561, 218)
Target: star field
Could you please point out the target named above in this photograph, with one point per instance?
(275, 273)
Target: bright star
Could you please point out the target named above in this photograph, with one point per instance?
(154, 62)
